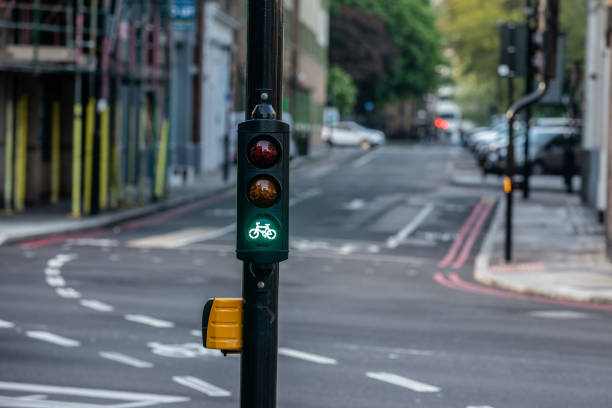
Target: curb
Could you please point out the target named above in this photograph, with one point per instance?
(483, 276)
(108, 219)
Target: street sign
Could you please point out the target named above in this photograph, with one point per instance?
(183, 13)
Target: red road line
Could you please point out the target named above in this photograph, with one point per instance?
(127, 226)
(452, 251)
(457, 283)
(465, 252)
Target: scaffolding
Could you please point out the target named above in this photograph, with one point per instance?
(89, 80)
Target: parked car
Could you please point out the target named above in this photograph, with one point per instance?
(352, 134)
(549, 150)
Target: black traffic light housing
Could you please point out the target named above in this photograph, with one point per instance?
(262, 229)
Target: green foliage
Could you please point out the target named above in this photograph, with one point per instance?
(412, 24)
(341, 90)
(471, 29)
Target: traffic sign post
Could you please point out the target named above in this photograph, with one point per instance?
(544, 64)
(262, 203)
(250, 325)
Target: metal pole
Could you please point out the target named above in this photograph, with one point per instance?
(508, 187)
(260, 282)
(530, 14)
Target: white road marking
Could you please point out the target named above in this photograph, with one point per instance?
(94, 242)
(97, 305)
(355, 205)
(559, 314)
(68, 293)
(302, 355)
(347, 249)
(479, 406)
(196, 333)
(122, 358)
(202, 386)
(395, 240)
(52, 338)
(402, 382)
(363, 160)
(6, 325)
(56, 281)
(152, 399)
(52, 272)
(150, 321)
(181, 238)
(306, 195)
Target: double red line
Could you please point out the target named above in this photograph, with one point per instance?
(459, 251)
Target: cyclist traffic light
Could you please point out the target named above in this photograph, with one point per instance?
(263, 187)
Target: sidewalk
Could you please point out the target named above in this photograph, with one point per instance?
(559, 250)
(42, 221)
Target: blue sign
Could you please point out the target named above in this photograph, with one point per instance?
(368, 106)
(183, 14)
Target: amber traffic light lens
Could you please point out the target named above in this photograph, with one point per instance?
(263, 191)
(263, 152)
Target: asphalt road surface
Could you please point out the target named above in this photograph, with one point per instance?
(377, 306)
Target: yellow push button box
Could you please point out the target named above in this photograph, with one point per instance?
(222, 325)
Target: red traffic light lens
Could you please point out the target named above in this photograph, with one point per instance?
(263, 152)
(263, 191)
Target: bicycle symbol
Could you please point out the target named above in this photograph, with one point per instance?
(265, 231)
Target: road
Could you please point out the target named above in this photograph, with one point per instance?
(377, 305)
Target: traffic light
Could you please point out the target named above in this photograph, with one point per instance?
(544, 40)
(263, 188)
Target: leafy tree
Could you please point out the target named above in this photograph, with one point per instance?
(413, 30)
(342, 90)
(361, 44)
(471, 29)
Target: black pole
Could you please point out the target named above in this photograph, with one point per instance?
(530, 17)
(258, 375)
(508, 189)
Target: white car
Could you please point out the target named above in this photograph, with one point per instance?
(352, 134)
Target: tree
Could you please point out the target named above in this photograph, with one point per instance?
(361, 46)
(342, 90)
(413, 31)
(471, 29)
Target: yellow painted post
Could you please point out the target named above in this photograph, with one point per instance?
(9, 136)
(142, 145)
(90, 118)
(104, 156)
(21, 153)
(55, 153)
(131, 160)
(162, 156)
(77, 151)
(116, 157)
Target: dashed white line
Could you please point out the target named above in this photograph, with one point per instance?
(6, 325)
(202, 386)
(559, 314)
(68, 293)
(97, 305)
(479, 406)
(196, 333)
(313, 358)
(400, 381)
(122, 358)
(150, 321)
(56, 281)
(395, 240)
(52, 338)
